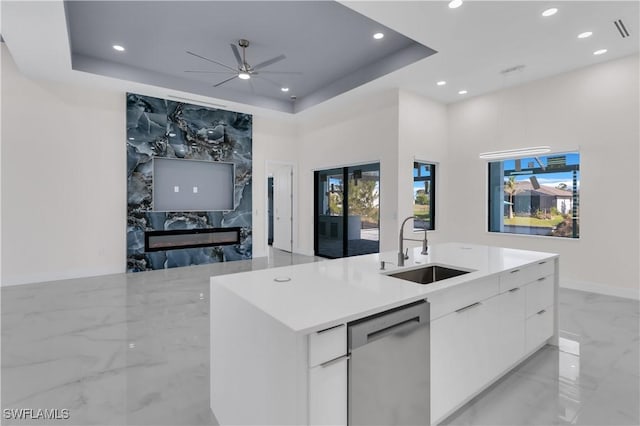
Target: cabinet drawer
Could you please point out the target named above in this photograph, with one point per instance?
(539, 327)
(328, 344)
(328, 393)
(452, 299)
(539, 294)
(520, 276)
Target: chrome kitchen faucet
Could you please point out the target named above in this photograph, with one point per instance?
(402, 256)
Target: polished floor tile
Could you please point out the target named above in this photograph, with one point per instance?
(134, 349)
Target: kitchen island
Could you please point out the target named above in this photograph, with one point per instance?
(279, 336)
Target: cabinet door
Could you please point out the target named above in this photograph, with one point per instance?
(539, 328)
(508, 318)
(458, 357)
(448, 353)
(328, 393)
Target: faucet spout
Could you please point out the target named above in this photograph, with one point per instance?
(401, 256)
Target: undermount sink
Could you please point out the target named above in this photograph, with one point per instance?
(428, 274)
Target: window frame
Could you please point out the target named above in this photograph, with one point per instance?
(432, 196)
(575, 201)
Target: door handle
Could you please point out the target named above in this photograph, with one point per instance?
(391, 329)
(473, 305)
(329, 329)
(333, 361)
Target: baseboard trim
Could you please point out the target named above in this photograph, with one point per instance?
(627, 293)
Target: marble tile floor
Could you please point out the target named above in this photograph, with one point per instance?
(118, 349)
(133, 349)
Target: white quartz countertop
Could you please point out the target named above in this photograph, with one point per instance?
(322, 294)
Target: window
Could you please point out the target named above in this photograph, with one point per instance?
(535, 195)
(424, 194)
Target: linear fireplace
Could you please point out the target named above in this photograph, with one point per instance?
(190, 238)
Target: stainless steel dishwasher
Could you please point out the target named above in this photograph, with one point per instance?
(389, 367)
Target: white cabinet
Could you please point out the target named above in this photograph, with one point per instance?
(540, 311)
(327, 344)
(328, 376)
(509, 323)
(449, 363)
(521, 276)
(460, 356)
(539, 328)
(328, 393)
(540, 294)
(473, 346)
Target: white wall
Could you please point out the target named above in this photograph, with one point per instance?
(422, 136)
(595, 109)
(63, 179)
(356, 132)
(274, 141)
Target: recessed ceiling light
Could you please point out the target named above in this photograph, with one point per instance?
(454, 4)
(585, 34)
(244, 76)
(118, 48)
(550, 12)
(378, 36)
(285, 89)
(600, 52)
(441, 83)
(462, 92)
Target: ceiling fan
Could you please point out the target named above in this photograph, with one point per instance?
(244, 71)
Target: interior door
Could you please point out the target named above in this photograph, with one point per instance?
(283, 208)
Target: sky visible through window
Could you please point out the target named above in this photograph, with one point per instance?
(546, 178)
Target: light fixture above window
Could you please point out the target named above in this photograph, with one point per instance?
(118, 48)
(441, 83)
(550, 12)
(462, 92)
(600, 52)
(585, 34)
(378, 36)
(454, 4)
(513, 153)
(285, 89)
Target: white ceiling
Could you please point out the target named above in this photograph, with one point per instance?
(478, 40)
(474, 43)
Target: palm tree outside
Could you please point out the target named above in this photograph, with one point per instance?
(511, 188)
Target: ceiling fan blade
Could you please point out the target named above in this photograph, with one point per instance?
(211, 72)
(224, 81)
(269, 62)
(211, 60)
(236, 53)
(281, 72)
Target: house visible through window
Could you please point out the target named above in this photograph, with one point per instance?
(535, 195)
(424, 187)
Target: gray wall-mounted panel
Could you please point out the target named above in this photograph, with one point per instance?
(188, 185)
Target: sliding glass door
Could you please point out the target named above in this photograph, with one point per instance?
(347, 211)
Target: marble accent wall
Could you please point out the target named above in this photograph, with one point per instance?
(163, 128)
